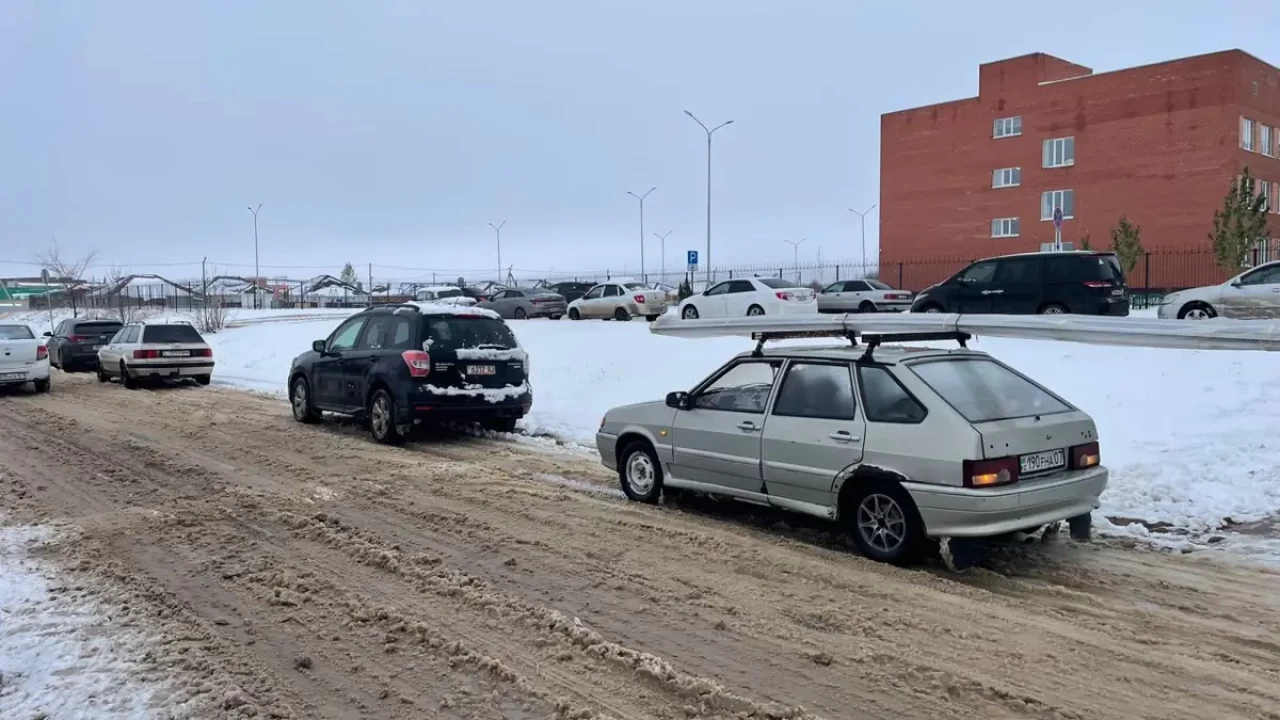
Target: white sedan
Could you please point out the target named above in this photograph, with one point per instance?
(1253, 294)
(24, 358)
(749, 296)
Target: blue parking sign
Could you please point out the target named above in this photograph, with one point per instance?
(693, 258)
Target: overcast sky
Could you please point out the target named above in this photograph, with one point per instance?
(393, 132)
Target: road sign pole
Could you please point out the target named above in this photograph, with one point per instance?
(1057, 229)
(48, 301)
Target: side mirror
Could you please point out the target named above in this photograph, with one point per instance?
(678, 400)
(1234, 284)
(317, 346)
(48, 334)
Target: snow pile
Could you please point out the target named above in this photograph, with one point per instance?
(491, 354)
(492, 395)
(60, 656)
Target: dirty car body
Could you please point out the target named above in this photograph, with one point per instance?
(901, 445)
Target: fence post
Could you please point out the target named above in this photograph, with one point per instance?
(899, 274)
(1146, 280)
(837, 273)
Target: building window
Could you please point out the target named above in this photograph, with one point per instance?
(1059, 152)
(1264, 140)
(1246, 133)
(1004, 227)
(1264, 191)
(1007, 127)
(1054, 199)
(1006, 177)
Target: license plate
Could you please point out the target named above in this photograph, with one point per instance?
(480, 370)
(175, 353)
(1042, 461)
(1118, 292)
(13, 376)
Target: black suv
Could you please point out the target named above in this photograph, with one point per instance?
(392, 365)
(74, 343)
(1046, 283)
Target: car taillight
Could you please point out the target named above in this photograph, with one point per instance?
(897, 296)
(77, 338)
(1097, 284)
(989, 473)
(202, 352)
(42, 352)
(419, 362)
(639, 299)
(1085, 456)
(784, 295)
(146, 354)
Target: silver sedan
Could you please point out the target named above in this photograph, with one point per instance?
(519, 304)
(919, 443)
(1253, 294)
(863, 296)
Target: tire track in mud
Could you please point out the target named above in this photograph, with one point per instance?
(477, 569)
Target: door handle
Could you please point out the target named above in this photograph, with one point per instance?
(747, 425)
(992, 292)
(1275, 290)
(843, 436)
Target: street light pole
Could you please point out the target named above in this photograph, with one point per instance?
(710, 132)
(795, 246)
(257, 274)
(497, 232)
(862, 217)
(641, 199)
(663, 250)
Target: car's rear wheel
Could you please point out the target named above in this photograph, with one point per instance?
(886, 525)
(1053, 309)
(1081, 526)
(689, 313)
(755, 311)
(521, 314)
(382, 418)
(42, 386)
(867, 307)
(204, 379)
(102, 375)
(499, 424)
(574, 315)
(640, 472)
(621, 315)
(304, 410)
(931, 309)
(126, 379)
(1197, 311)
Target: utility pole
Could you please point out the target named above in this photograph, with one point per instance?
(370, 291)
(862, 216)
(497, 231)
(641, 199)
(795, 246)
(257, 274)
(710, 132)
(663, 250)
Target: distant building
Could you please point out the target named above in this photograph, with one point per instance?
(1159, 143)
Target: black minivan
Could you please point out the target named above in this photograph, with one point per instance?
(1045, 283)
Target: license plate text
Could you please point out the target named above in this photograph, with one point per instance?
(1042, 461)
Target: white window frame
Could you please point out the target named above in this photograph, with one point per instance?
(1246, 134)
(1265, 141)
(1006, 177)
(1006, 127)
(1264, 189)
(1054, 152)
(1004, 227)
(1057, 200)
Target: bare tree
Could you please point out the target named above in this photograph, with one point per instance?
(66, 272)
(212, 315)
(121, 306)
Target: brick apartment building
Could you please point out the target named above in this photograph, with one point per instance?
(1159, 143)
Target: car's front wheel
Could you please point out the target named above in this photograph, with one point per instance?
(931, 309)
(1053, 309)
(574, 314)
(689, 313)
(304, 410)
(1197, 311)
(886, 525)
(640, 472)
(521, 314)
(382, 419)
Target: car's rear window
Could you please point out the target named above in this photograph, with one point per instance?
(170, 334)
(1083, 268)
(16, 332)
(448, 293)
(454, 332)
(982, 390)
(98, 328)
(638, 286)
(776, 283)
(877, 285)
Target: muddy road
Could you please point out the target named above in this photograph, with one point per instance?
(304, 572)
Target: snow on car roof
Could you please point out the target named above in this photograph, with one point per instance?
(439, 288)
(463, 310)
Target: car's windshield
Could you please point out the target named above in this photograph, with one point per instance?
(454, 332)
(876, 284)
(16, 332)
(776, 283)
(982, 390)
(170, 334)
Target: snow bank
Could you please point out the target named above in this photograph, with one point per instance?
(1185, 433)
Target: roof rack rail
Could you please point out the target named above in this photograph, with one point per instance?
(763, 337)
(392, 305)
(873, 340)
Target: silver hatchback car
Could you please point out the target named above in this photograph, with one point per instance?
(901, 444)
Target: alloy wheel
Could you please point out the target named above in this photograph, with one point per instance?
(881, 522)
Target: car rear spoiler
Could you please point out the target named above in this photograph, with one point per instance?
(1216, 334)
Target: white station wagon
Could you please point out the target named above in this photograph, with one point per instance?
(156, 350)
(899, 443)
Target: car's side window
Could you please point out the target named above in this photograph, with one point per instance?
(514, 294)
(1019, 270)
(130, 334)
(719, 289)
(1263, 276)
(594, 293)
(884, 399)
(387, 332)
(743, 388)
(816, 390)
(612, 290)
(345, 337)
(983, 272)
(741, 286)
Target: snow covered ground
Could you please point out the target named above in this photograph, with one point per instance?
(1186, 433)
